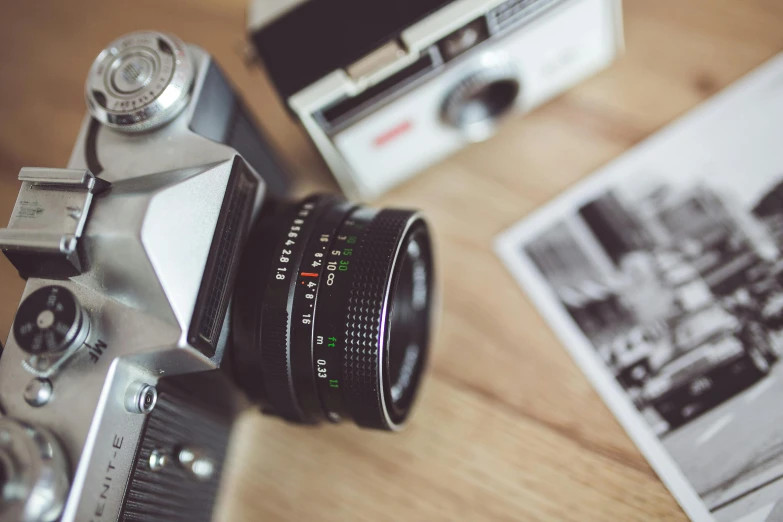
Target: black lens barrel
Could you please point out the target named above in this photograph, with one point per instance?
(306, 305)
(318, 312)
(368, 335)
(277, 310)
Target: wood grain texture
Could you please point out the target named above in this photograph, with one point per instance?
(508, 428)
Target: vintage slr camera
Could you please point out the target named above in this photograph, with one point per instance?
(385, 89)
(165, 274)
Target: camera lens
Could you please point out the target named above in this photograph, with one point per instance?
(332, 312)
(475, 104)
(488, 101)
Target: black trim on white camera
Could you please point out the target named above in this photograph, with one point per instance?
(348, 109)
(515, 13)
(509, 15)
(318, 37)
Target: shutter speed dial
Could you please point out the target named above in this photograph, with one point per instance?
(140, 82)
(49, 321)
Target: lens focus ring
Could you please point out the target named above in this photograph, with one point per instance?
(367, 320)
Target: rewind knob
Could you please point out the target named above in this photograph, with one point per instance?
(140, 81)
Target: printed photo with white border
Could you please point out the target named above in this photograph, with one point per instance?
(662, 274)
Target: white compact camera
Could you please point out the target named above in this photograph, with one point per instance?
(385, 89)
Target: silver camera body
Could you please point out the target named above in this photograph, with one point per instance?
(385, 90)
(130, 255)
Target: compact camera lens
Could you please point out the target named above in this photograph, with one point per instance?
(478, 101)
(488, 101)
(332, 312)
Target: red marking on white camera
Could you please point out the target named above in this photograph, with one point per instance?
(393, 133)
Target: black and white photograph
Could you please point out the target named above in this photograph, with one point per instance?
(662, 274)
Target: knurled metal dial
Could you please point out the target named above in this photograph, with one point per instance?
(49, 321)
(140, 81)
(367, 314)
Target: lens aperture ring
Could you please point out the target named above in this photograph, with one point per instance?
(367, 317)
(276, 313)
(312, 368)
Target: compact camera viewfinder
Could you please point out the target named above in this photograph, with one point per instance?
(464, 39)
(408, 83)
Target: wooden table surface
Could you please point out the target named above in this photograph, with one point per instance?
(507, 427)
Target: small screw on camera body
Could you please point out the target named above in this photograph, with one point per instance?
(38, 392)
(141, 398)
(158, 460)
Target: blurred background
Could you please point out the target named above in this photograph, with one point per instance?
(508, 428)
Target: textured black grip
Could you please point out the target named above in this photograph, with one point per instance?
(181, 418)
(362, 375)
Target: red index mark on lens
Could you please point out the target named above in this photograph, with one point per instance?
(309, 274)
(395, 132)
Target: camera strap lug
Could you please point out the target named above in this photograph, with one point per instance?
(43, 236)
